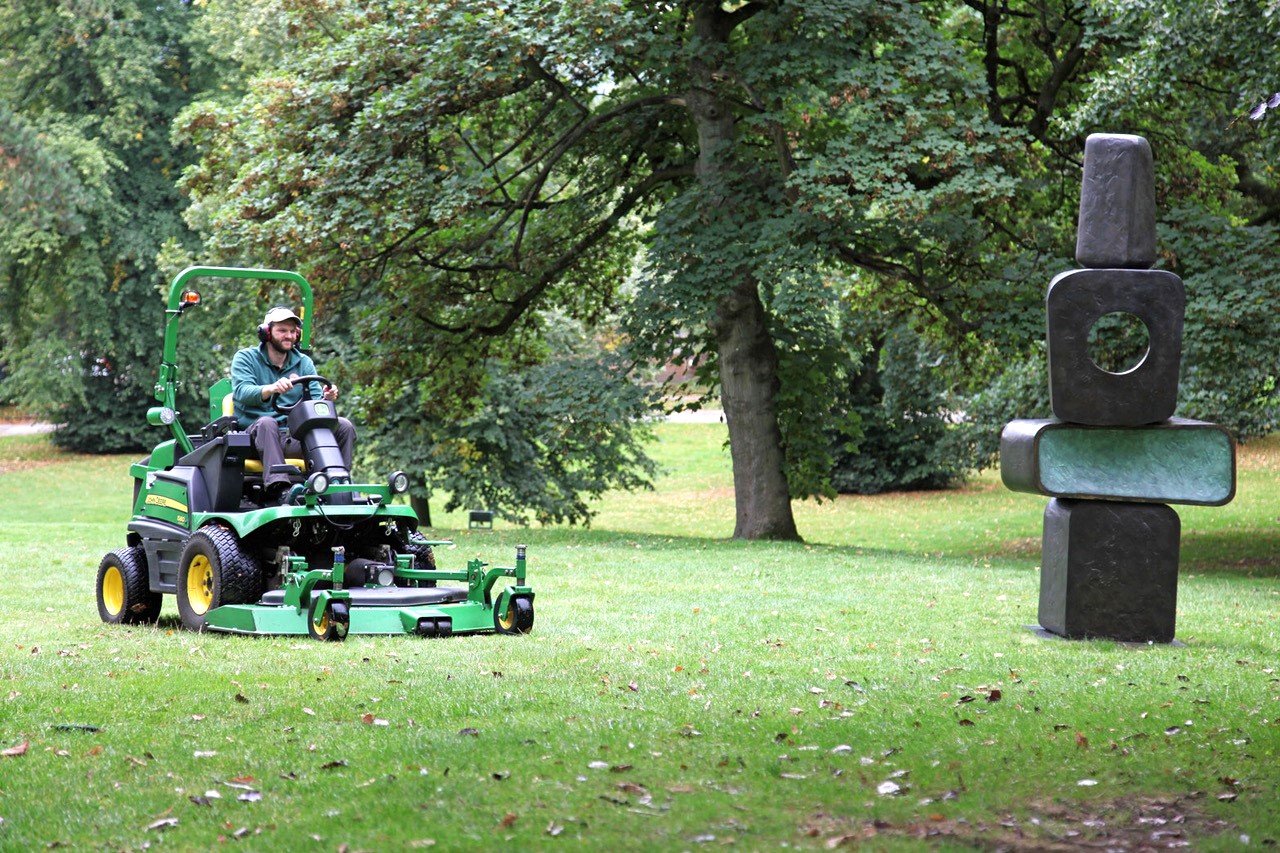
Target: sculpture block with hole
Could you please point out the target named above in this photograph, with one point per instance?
(1113, 456)
(1083, 392)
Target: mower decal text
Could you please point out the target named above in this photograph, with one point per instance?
(167, 503)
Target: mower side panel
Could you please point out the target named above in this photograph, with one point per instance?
(174, 495)
(163, 543)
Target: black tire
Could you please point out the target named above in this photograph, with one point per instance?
(124, 590)
(424, 557)
(331, 624)
(215, 569)
(514, 618)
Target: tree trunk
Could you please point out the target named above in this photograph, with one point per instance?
(748, 360)
(748, 388)
(421, 506)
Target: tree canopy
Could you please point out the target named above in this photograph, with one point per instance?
(792, 198)
(87, 186)
(457, 167)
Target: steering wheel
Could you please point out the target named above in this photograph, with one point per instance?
(305, 382)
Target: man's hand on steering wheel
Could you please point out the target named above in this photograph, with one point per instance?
(283, 384)
(328, 390)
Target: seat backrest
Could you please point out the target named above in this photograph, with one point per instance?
(220, 400)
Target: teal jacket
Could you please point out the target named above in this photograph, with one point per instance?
(251, 370)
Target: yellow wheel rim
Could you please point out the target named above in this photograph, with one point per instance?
(508, 618)
(113, 591)
(322, 627)
(200, 585)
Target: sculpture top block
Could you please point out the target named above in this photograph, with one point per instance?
(1117, 225)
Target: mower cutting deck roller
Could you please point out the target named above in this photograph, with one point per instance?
(337, 558)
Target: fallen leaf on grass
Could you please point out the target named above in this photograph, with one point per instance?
(163, 823)
(508, 819)
(470, 732)
(250, 797)
(333, 764)
(14, 751)
(371, 720)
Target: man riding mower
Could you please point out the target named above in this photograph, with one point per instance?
(320, 555)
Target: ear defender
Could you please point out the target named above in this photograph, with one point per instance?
(264, 332)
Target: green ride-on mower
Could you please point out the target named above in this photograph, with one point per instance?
(336, 557)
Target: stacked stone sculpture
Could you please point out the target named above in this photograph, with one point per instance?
(1113, 456)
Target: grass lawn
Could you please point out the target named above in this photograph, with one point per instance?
(872, 688)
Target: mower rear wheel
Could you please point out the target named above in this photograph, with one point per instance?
(215, 569)
(516, 617)
(330, 624)
(424, 557)
(124, 590)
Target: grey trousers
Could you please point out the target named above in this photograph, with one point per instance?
(274, 445)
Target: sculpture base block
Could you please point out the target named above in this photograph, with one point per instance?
(1109, 570)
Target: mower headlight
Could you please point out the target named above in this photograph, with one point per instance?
(399, 483)
(161, 415)
(318, 483)
(386, 576)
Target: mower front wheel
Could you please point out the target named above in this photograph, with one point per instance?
(214, 570)
(515, 617)
(124, 590)
(328, 622)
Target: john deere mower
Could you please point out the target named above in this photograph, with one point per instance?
(336, 557)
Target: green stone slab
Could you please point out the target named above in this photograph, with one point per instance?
(1178, 461)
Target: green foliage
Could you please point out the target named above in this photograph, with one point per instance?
(1232, 320)
(899, 400)
(543, 441)
(87, 92)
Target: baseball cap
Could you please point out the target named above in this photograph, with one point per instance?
(279, 315)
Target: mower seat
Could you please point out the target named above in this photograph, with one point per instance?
(227, 409)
